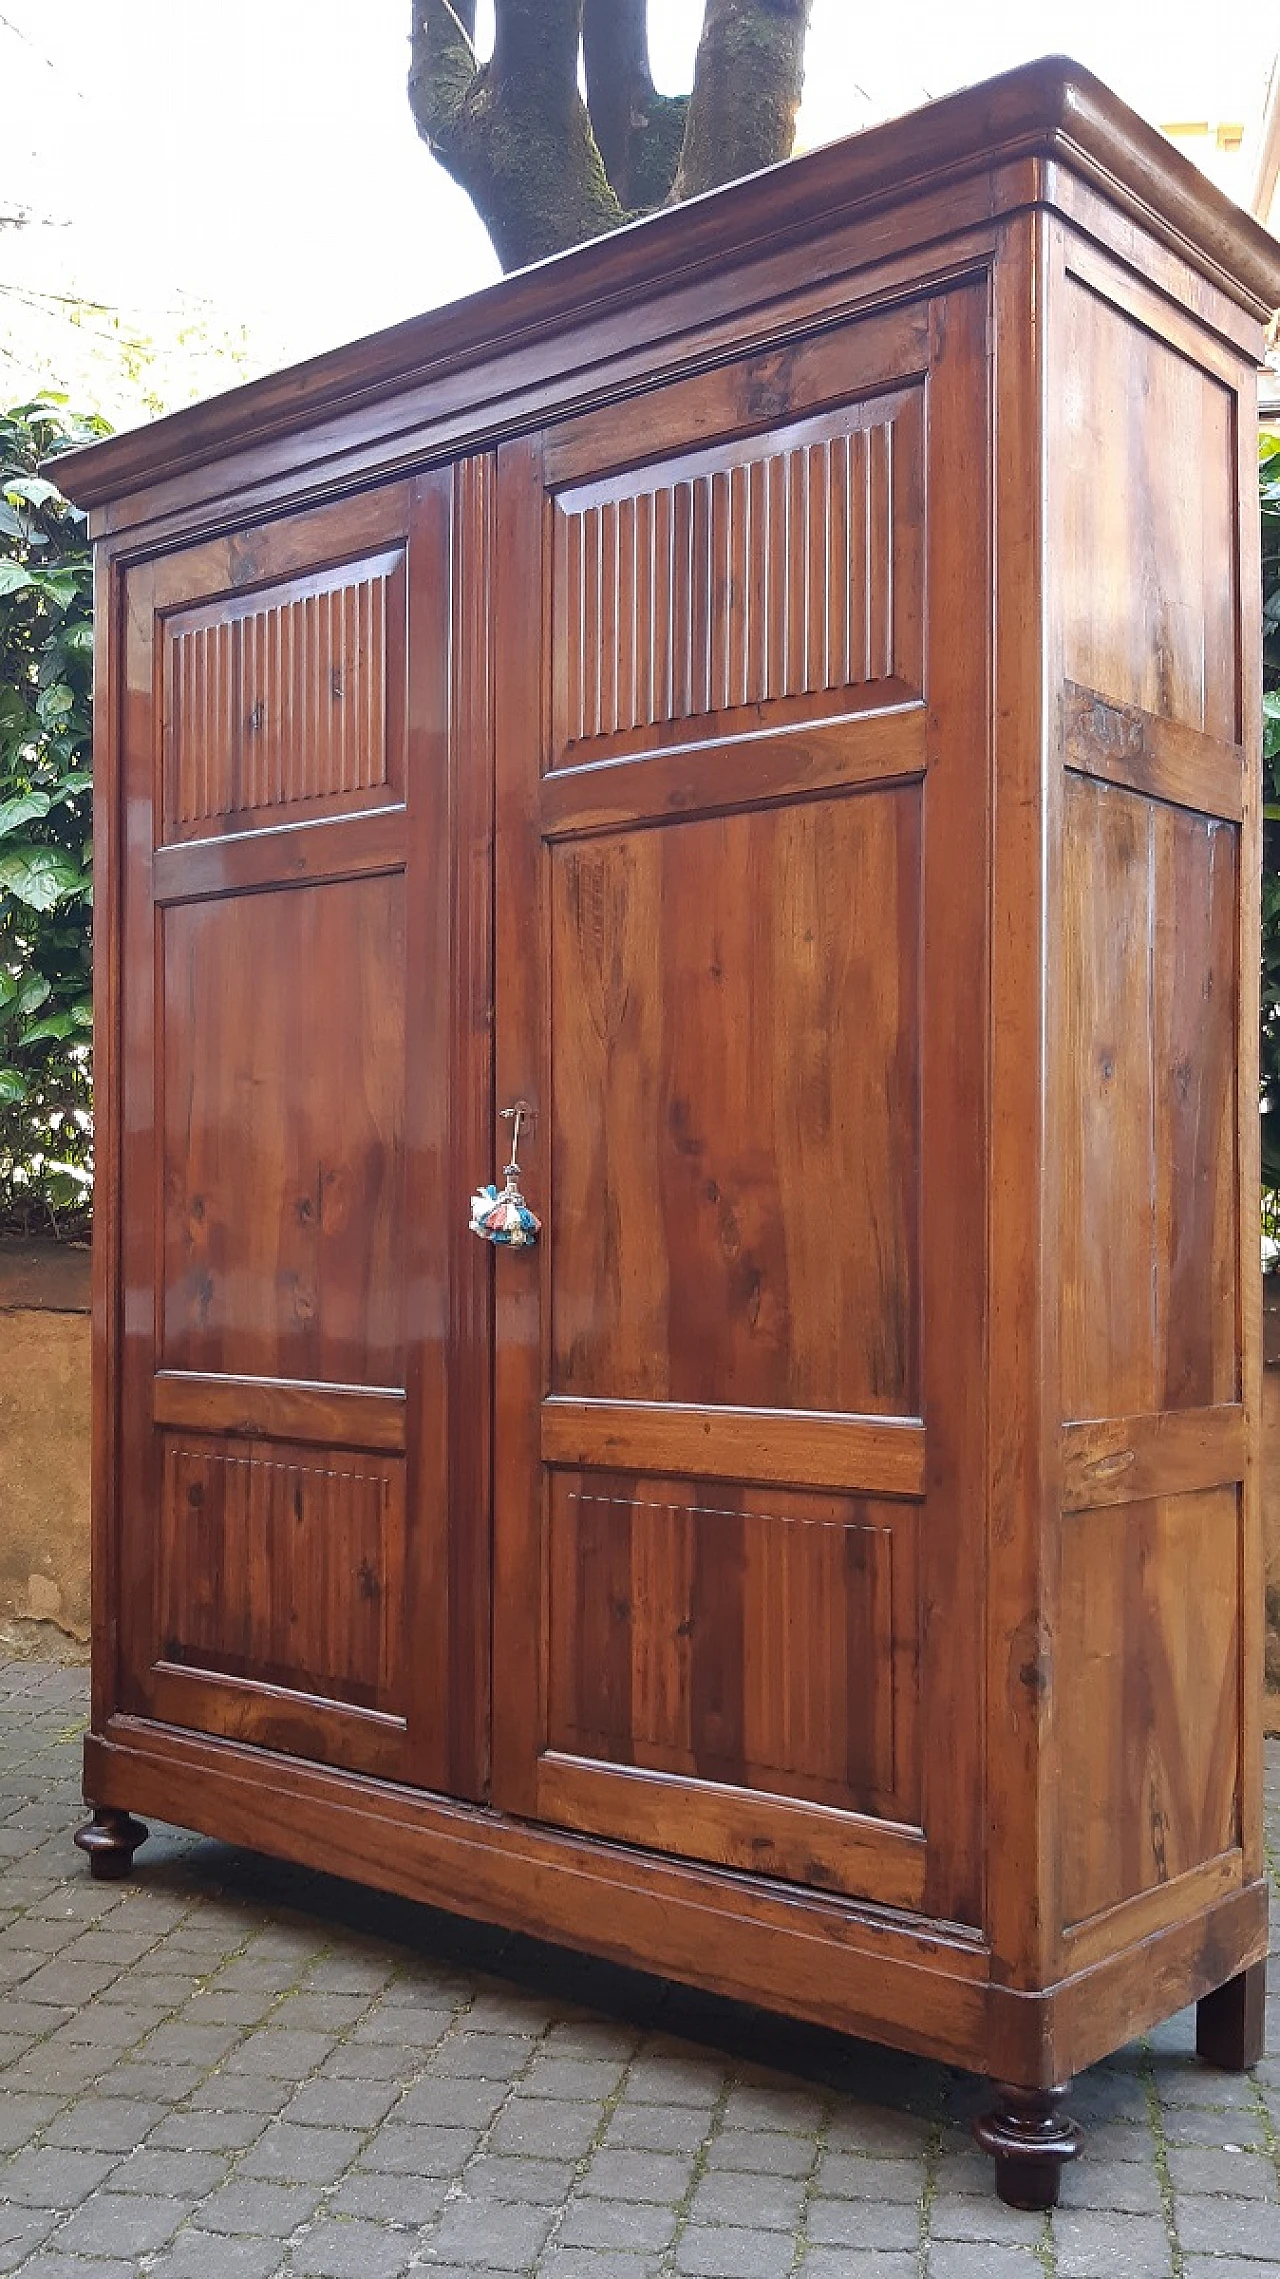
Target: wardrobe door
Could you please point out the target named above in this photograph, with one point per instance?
(289, 1568)
(741, 938)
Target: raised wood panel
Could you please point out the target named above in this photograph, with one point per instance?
(287, 701)
(1147, 1106)
(749, 1636)
(1148, 1684)
(743, 575)
(284, 1566)
(283, 1123)
(1145, 558)
(736, 1110)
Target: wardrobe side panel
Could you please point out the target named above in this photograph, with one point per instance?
(1152, 1083)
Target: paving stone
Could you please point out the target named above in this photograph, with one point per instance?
(422, 2151)
(178, 2175)
(543, 2128)
(727, 2252)
(148, 2084)
(967, 2259)
(388, 2198)
(1226, 2267)
(658, 2128)
(843, 2263)
(1238, 2175)
(675, 2081)
(21, 2231)
(353, 2250)
(22, 2116)
(496, 2235)
(327, 2014)
(209, 2132)
(638, 2176)
(637, 2226)
(50, 2264)
(452, 2104)
(956, 2216)
(863, 2223)
(59, 2071)
(196, 2254)
(373, 2061)
(332, 2104)
(845, 2175)
(1196, 2125)
(224, 2092)
(868, 2129)
(597, 2263)
(1227, 2227)
(119, 2223)
(287, 2154)
(54, 2177)
(758, 2203)
(277, 2052)
(780, 2107)
(1087, 2241)
(573, 2077)
(255, 2206)
(1130, 2187)
(482, 2057)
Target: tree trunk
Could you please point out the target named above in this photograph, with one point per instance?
(542, 171)
(639, 132)
(746, 91)
(513, 132)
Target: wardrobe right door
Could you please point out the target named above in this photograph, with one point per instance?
(741, 896)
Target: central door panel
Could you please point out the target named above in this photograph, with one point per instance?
(739, 1455)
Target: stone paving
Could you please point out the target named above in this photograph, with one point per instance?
(230, 2069)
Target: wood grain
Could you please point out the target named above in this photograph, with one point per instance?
(735, 1116)
(1149, 1661)
(1149, 1227)
(284, 1566)
(877, 1456)
(284, 1134)
(1129, 1459)
(1135, 532)
(752, 1637)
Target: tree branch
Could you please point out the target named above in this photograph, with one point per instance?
(639, 132)
(514, 132)
(746, 91)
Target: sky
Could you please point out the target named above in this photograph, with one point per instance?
(250, 172)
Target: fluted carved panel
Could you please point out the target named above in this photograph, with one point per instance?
(283, 1566)
(767, 572)
(285, 701)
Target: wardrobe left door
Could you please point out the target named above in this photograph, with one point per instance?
(295, 1564)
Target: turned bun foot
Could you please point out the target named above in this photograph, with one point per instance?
(111, 1838)
(1030, 2139)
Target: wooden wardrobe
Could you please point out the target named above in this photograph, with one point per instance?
(774, 694)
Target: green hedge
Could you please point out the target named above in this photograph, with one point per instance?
(46, 880)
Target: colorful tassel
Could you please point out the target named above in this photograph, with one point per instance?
(504, 1217)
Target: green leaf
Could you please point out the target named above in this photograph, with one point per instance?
(26, 808)
(37, 490)
(13, 577)
(39, 876)
(32, 993)
(82, 1012)
(59, 1025)
(13, 1088)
